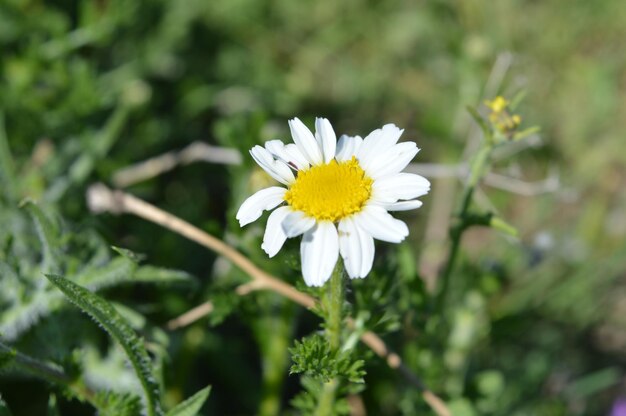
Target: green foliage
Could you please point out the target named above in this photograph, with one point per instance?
(123, 404)
(224, 304)
(534, 317)
(192, 405)
(26, 296)
(48, 234)
(306, 401)
(111, 321)
(313, 357)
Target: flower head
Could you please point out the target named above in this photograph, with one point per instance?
(337, 195)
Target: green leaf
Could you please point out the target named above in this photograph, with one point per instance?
(313, 357)
(121, 270)
(192, 405)
(118, 270)
(131, 255)
(526, 132)
(502, 226)
(19, 318)
(593, 383)
(7, 170)
(112, 322)
(111, 403)
(48, 234)
(151, 274)
(517, 99)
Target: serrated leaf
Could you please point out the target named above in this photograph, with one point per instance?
(48, 235)
(192, 405)
(112, 322)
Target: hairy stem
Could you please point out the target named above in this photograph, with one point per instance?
(326, 401)
(334, 320)
(335, 308)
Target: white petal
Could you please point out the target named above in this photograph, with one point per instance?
(326, 138)
(296, 156)
(381, 225)
(297, 223)
(289, 154)
(393, 160)
(403, 205)
(392, 188)
(253, 207)
(319, 251)
(277, 149)
(377, 142)
(347, 147)
(275, 236)
(356, 247)
(275, 168)
(303, 138)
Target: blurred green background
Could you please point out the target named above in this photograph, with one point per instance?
(90, 87)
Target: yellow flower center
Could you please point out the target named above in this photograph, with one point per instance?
(330, 192)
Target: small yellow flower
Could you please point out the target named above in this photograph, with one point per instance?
(498, 104)
(500, 117)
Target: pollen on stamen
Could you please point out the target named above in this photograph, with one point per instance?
(331, 191)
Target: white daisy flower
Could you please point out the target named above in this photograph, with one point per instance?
(337, 195)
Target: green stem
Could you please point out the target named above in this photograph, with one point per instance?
(477, 169)
(327, 399)
(335, 308)
(334, 320)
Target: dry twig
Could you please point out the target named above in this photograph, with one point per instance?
(195, 152)
(102, 199)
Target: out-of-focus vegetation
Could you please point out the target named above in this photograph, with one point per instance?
(537, 324)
